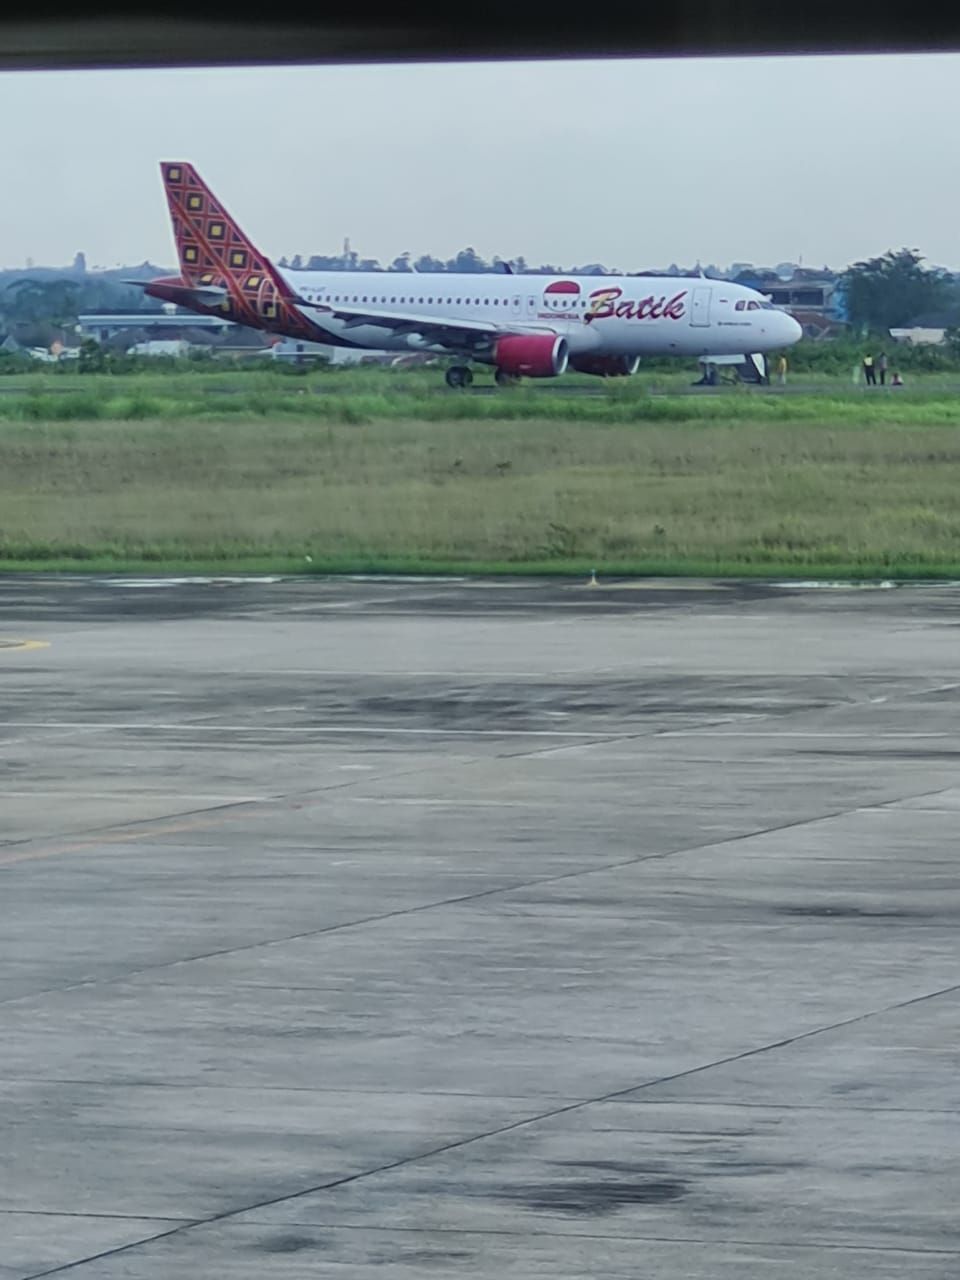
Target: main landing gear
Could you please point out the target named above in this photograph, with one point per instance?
(459, 375)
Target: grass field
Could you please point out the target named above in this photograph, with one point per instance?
(389, 474)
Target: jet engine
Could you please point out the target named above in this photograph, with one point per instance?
(541, 355)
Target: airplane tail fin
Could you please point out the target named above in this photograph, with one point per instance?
(211, 247)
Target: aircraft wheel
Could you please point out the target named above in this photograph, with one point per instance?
(459, 376)
(504, 379)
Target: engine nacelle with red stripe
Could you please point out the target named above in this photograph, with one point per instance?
(540, 355)
(606, 366)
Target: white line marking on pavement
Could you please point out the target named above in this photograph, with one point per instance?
(316, 729)
(787, 733)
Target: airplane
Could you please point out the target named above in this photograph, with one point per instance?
(525, 326)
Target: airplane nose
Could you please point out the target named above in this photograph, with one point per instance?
(792, 332)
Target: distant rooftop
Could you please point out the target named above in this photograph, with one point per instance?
(149, 320)
(947, 319)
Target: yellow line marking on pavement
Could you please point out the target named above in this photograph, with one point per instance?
(21, 645)
(153, 831)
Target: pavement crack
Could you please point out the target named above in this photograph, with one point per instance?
(108, 1253)
(457, 900)
(513, 1126)
(141, 828)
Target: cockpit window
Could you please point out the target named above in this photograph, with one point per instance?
(753, 306)
(740, 305)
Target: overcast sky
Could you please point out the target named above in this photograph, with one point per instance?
(635, 164)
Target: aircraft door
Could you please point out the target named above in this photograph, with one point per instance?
(516, 310)
(531, 308)
(700, 312)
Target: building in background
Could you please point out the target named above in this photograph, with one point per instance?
(292, 351)
(169, 332)
(124, 328)
(814, 298)
(175, 347)
(929, 329)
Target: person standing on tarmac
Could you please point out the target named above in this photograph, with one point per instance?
(882, 369)
(868, 371)
(782, 370)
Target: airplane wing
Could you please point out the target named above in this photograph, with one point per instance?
(443, 331)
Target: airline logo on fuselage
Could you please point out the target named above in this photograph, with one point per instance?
(608, 303)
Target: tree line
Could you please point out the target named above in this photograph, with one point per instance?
(895, 289)
(466, 262)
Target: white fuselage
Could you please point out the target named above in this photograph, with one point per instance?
(598, 315)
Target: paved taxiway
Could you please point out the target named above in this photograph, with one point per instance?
(516, 929)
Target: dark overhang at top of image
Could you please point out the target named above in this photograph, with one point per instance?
(208, 34)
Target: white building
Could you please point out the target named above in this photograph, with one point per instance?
(929, 329)
(103, 327)
(291, 349)
(161, 347)
(919, 336)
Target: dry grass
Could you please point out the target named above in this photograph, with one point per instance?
(737, 497)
